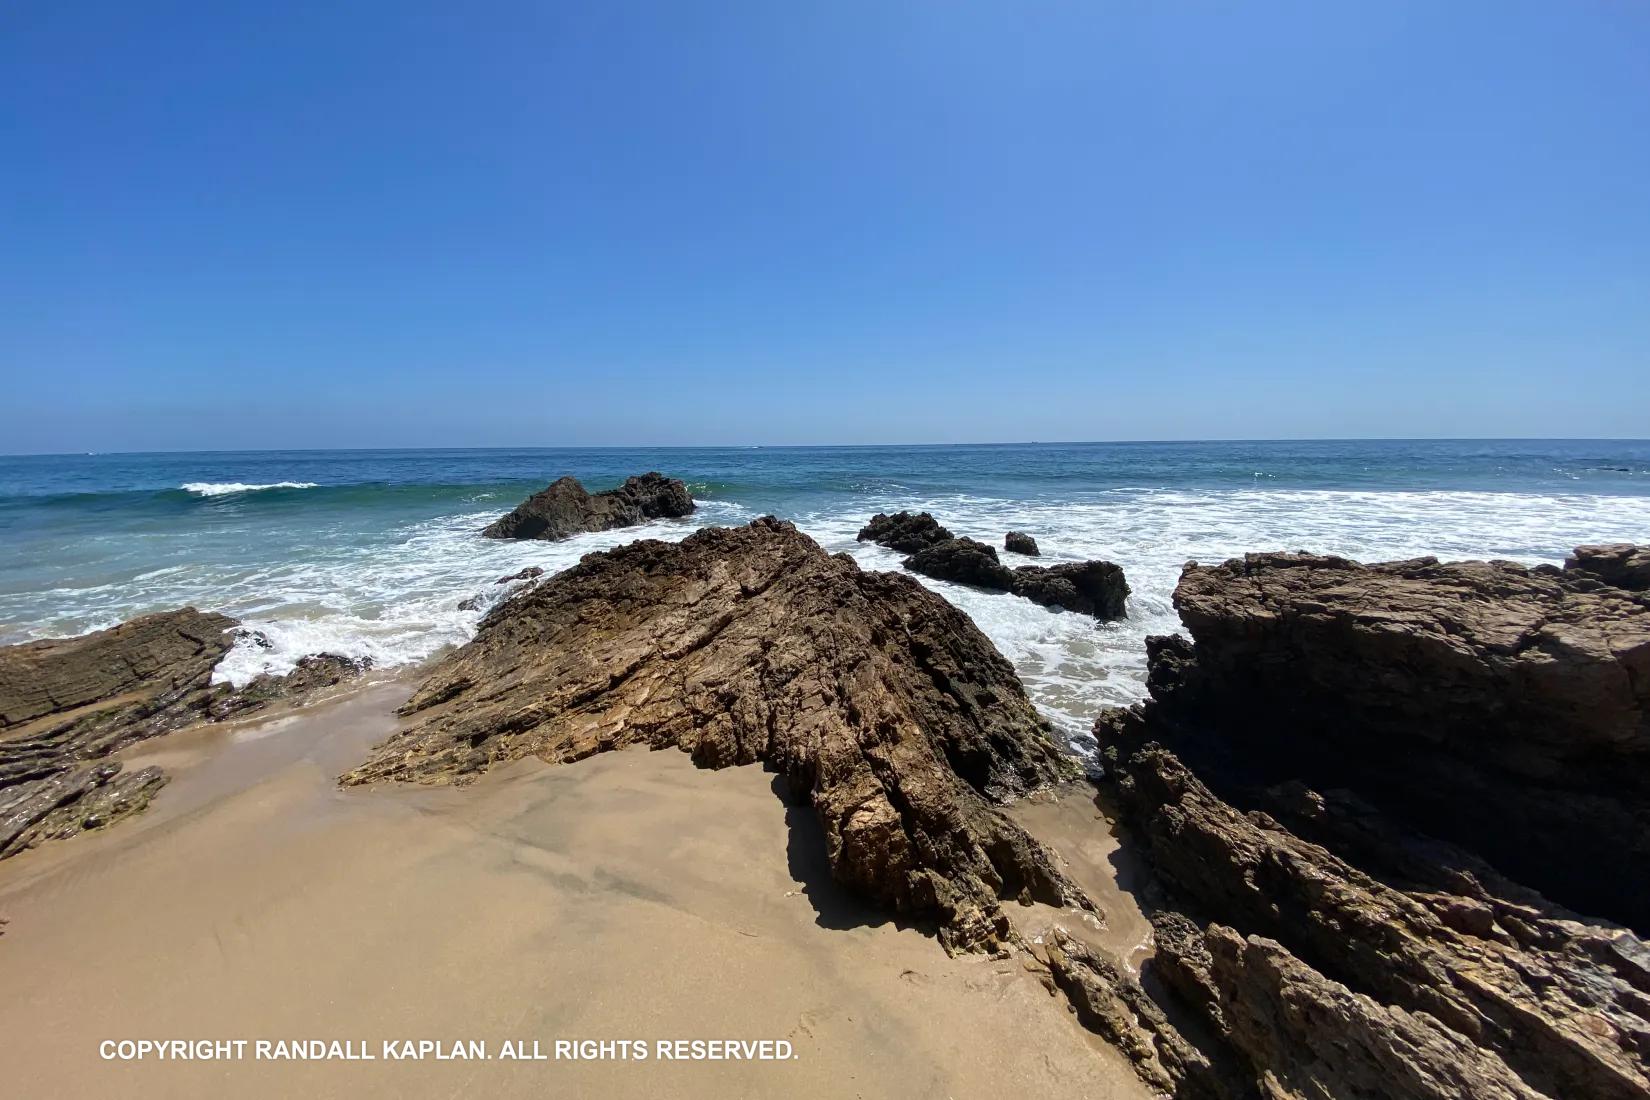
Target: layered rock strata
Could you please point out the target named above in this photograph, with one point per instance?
(67, 704)
(1331, 931)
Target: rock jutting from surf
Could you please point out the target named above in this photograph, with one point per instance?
(1095, 588)
(565, 508)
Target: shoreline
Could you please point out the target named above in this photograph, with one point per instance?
(631, 895)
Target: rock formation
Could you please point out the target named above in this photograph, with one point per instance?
(1505, 709)
(1018, 542)
(1087, 587)
(880, 704)
(904, 532)
(1621, 564)
(1301, 788)
(964, 561)
(1090, 588)
(67, 704)
(565, 508)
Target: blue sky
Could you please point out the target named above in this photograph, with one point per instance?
(381, 224)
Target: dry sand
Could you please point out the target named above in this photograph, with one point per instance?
(631, 896)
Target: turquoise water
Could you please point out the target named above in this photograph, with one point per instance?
(370, 552)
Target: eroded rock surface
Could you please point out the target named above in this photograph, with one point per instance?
(880, 704)
(565, 508)
(1621, 564)
(67, 704)
(905, 532)
(1503, 708)
(1332, 937)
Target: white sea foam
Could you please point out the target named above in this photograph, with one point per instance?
(393, 595)
(224, 488)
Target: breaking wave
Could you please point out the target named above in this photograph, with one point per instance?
(225, 488)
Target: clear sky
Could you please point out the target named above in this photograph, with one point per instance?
(407, 224)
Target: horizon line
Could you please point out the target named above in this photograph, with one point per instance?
(852, 446)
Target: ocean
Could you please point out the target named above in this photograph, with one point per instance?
(369, 553)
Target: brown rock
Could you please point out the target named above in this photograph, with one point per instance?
(89, 796)
(1557, 998)
(1314, 1038)
(1621, 564)
(565, 508)
(75, 699)
(66, 704)
(878, 702)
(1113, 1005)
(1505, 709)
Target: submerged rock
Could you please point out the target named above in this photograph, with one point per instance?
(1018, 542)
(880, 704)
(904, 532)
(1095, 588)
(1299, 789)
(532, 572)
(68, 703)
(566, 509)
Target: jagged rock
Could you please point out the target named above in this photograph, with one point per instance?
(565, 508)
(1019, 542)
(1621, 564)
(66, 704)
(527, 574)
(878, 702)
(1505, 709)
(471, 603)
(1560, 1000)
(1091, 587)
(1113, 1005)
(1317, 1039)
(73, 801)
(904, 532)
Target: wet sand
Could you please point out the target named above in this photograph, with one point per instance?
(631, 896)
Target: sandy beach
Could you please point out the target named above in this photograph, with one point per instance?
(629, 896)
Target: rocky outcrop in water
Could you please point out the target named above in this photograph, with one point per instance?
(1018, 542)
(881, 705)
(565, 508)
(1095, 588)
(68, 704)
(904, 532)
(963, 561)
(1334, 931)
